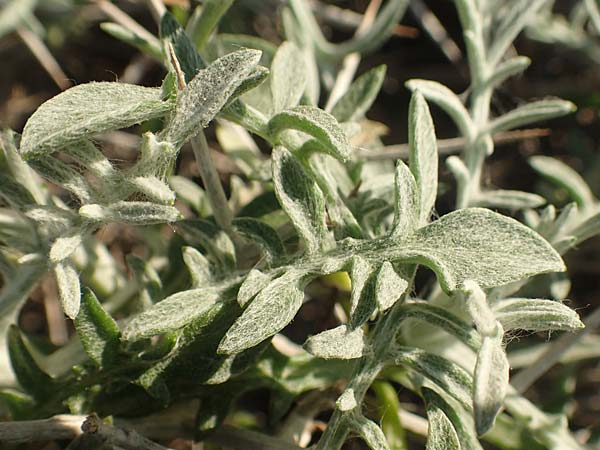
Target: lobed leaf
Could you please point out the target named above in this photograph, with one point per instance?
(97, 330)
(85, 110)
(359, 97)
(316, 123)
(337, 343)
(288, 77)
(270, 311)
(536, 314)
(208, 93)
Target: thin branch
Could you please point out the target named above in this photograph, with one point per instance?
(124, 19)
(524, 379)
(61, 427)
(43, 55)
(450, 146)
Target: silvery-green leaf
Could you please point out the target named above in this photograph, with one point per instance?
(536, 314)
(185, 51)
(300, 198)
(261, 234)
(530, 113)
(190, 193)
(359, 97)
(64, 246)
(389, 286)
(461, 421)
(29, 374)
(131, 213)
(407, 204)
(449, 376)
(61, 174)
(479, 309)
(153, 188)
(480, 245)
(172, 313)
(149, 283)
(69, 289)
(565, 177)
(316, 123)
(362, 296)
(448, 101)
(443, 319)
(17, 168)
(507, 69)
(423, 157)
(586, 230)
(369, 431)
(288, 77)
(97, 330)
(337, 343)
(490, 382)
(254, 79)
(441, 434)
(207, 94)
(270, 311)
(254, 282)
(90, 157)
(213, 239)
(198, 266)
(85, 110)
(15, 194)
(148, 44)
(346, 401)
(508, 199)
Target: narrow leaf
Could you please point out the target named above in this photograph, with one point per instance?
(212, 11)
(536, 314)
(69, 289)
(262, 234)
(300, 198)
(407, 204)
(270, 311)
(423, 157)
(207, 94)
(529, 113)
(337, 343)
(29, 374)
(97, 330)
(490, 382)
(146, 44)
(131, 213)
(288, 77)
(198, 267)
(508, 199)
(13, 193)
(565, 177)
(153, 188)
(389, 286)
(441, 434)
(359, 97)
(172, 313)
(316, 123)
(86, 110)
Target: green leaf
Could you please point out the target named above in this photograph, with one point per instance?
(369, 431)
(479, 245)
(441, 434)
(97, 330)
(13, 193)
(316, 123)
(508, 199)
(208, 93)
(69, 289)
(359, 97)
(198, 267)
(536, 314)
(337, 343)
(461, 422)
(30, 376)
(490, 382)
(529, 113)
(300, 198)
(85, 110)
(185, 51)
(213, 239)
(61, 174)
(388, 408)
(423, 157)
(389, 287)
(148, 46)
(190, 193)
(270, 311)
(564, 176)
(172, 313)
(212, 11)
(288, 77)
(254, 282)
(449, 376)
(407, 204)
(448, 101)
(261, 234)
(362, 296)
(131, 213)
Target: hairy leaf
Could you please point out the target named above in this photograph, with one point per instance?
(213, 239)
(407, 206)
(254, 282)
(441, 434)
(337, 343)
(131, 213)
(536, 314)
(69, 289)
(359, 97)
(185, 51)
(389, 286)
(288, 77)
(529, 113)
(261, 234)
(85, 110)
(369, 431)
(198, 267)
